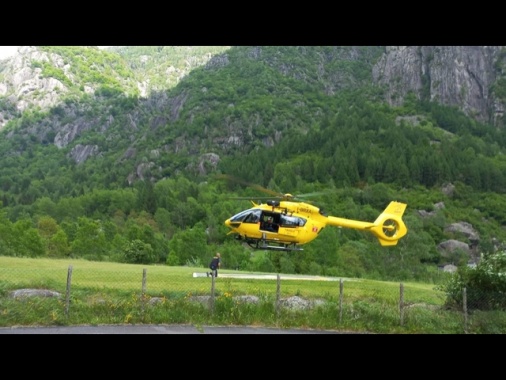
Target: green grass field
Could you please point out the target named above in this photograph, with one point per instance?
(113, 293)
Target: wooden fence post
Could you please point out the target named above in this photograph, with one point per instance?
(143, 295)
(278, 295)
(401, 304)
(67, 296)
(211, 299)
(464, 305)
(341, 294)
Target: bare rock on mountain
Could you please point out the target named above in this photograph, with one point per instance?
(437, 206)
(448, 189)
(80, 153)
(25, 86)
(208, 161)
(465, 229)
(426, 214)
(460, 76)
(450, 246)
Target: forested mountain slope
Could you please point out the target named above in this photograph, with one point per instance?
(123, 144)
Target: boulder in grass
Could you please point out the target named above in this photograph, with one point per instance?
(26, 293)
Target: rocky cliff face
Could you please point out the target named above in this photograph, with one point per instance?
(461, 76)
(22, 85)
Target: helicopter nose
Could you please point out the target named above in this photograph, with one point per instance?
(227, 222)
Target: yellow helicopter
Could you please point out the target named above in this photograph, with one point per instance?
(286, 224)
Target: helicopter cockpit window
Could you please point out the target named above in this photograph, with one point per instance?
(242, 215)
(253, 217)
(292, 221)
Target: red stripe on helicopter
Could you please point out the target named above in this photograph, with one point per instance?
(315, 229)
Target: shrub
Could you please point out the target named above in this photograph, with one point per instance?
(485, 284)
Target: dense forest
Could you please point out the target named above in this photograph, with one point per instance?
(149, 193)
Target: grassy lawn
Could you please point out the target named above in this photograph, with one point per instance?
(111, 293)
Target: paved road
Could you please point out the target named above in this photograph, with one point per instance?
(157, 329)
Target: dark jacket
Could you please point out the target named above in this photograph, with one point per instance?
(215, 263)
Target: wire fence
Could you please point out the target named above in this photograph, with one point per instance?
(70, 294)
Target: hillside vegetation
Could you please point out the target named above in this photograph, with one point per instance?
(125, 171)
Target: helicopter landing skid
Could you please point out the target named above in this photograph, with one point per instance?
(275, 246)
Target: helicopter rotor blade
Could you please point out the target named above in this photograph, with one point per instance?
(248, 184)
(251, 198)
(275, 194)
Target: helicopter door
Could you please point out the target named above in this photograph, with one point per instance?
(289, 225)
(269, 222)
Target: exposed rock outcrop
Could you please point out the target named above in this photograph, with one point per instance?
(208, 160)
(460, 76)
(465, 229)
(81, 152)
(24, 84)
(462, 230)
(450, 246)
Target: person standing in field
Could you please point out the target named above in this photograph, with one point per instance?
(214, 265)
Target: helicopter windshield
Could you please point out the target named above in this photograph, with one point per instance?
(247, 216)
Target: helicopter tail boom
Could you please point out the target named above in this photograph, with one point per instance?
(388, 227)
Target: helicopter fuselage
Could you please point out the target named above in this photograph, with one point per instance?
(278, 224)
(286, 225)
